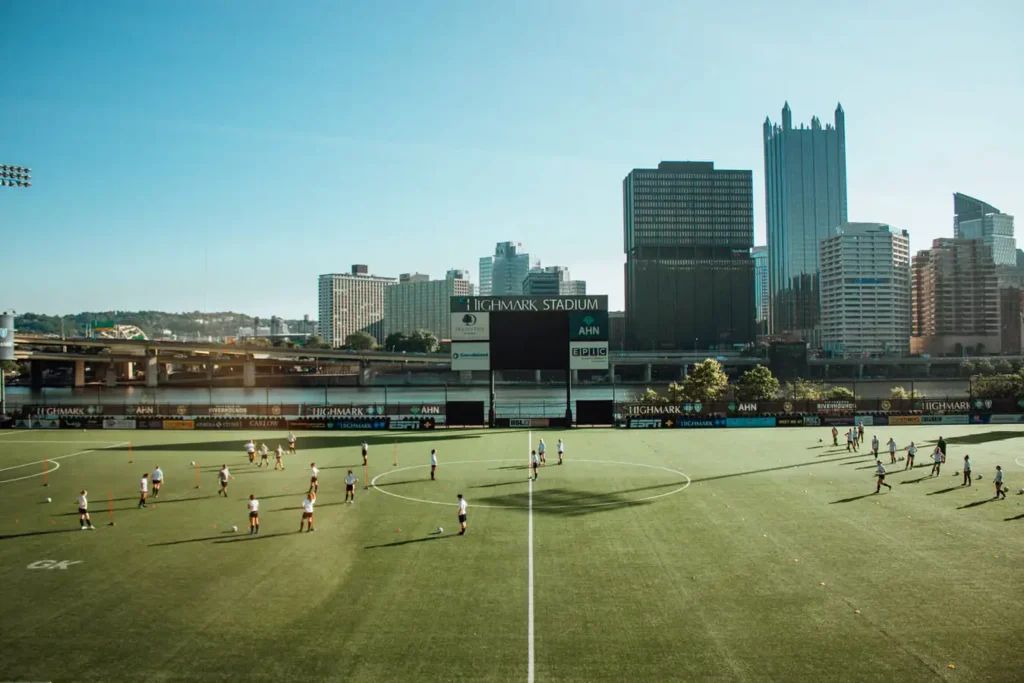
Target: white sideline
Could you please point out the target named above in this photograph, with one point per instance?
(54, 461)
(529, 628)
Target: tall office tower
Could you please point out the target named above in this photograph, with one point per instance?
(419, 303)
(552, 281)
(350, 302)
(955, 300)
(688, 231)
(865, 290)
(486, 269)
(805, 200)
(761, 298)
(509, 269)
(973, 219)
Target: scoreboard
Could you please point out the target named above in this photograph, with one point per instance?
(529, 333)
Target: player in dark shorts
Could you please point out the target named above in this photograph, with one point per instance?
(366, 451)
(314, 478)
(462, 515)
(942, 447)
(880, 473)
(350, 487)
(254, 515)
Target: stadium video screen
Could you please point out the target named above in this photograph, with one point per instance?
(530, 340)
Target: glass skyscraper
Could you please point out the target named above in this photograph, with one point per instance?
(805, 201)
(974, 219)
(760, 256)
(688, 230)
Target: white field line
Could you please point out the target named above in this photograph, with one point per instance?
(51, 460)
(43, 443)
(529, 612)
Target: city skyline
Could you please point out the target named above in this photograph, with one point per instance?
(288, 147)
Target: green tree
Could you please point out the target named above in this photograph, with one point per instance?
(998, 386)
(9, 367)
(651, 397)
(258, 341)
(315, 342)
(396, 341)
(360, 341)
(967, 368)
(839, 394)
(802, 390)
(676, 393)
(985, 367)
(1003, 367)
(706, 382)
(757, 384)
(901, 393)
(422, 341)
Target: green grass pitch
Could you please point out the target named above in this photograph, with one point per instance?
(696, 555)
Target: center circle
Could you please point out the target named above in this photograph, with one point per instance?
(373, 483)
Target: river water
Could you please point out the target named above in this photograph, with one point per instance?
(535, 399)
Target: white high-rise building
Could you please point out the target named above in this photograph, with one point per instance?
(419, 303)
(509, 269)
(350, 302)
(761, 298)
(552, 281)
(866, 290)
(486, 268)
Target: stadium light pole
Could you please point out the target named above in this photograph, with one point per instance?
(15, 176)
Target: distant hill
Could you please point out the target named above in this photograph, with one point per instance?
(155, 324)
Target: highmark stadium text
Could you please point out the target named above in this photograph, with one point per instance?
(529, 303)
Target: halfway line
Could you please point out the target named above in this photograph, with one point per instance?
(529, 628)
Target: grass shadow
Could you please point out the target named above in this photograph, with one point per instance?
(951, 488)
(976, 438)
(432, 537)
(853, 498)
(562, 502)
(919, 479)
(1010, 519)
(254, 537)
(500, 483)
(976, 503)
(38, 533)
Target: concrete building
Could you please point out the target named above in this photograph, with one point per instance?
(955, 300)
(805, 200)
(617, 330)
(509, 267)
(761, 298)
(350, 302)
(688, 232)
(419, 303)
(865, 290)
(486, 269)
(552, 281)
(974, 219)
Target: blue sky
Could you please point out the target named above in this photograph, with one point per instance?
(221, 154)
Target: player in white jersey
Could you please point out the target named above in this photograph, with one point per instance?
(967, 471)
(561, 451)
(83, 511)
(291, 442)
(307, 511)
(350, 487)
(264, 455)
(911, 452)
(462, 515)
(366, 452)
(158, 479)
(433, 463)
(254, 515)
(223, 476)
(936, 462)
(874, 446)
(535, 463)
(892, 450)
(250, 449)
(880, 473)
(849, 440)
(279, 457)
(314, 478)
(1000, 489)
(541, 448)
(143, 489)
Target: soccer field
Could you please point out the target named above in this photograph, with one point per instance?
(661, 555)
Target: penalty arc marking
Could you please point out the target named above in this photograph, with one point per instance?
(56, 465)
(373, 484)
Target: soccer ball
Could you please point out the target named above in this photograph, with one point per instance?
(956, 474)
(234, 528)
(440, 530)
(193, 463)
(901, 458)
(49, 500)
(1020, 492)
(978, 477)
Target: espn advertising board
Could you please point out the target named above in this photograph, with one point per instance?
(588, 355)
(470, 326)
(471, 356)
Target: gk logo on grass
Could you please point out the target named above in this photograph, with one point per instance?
(53, 564)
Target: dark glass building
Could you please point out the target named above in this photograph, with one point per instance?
(688, 232)
(805, 200)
